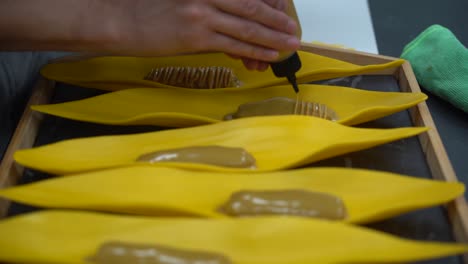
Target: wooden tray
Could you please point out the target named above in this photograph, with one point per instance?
(431, 144)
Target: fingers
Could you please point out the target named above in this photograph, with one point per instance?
(251, 64)
(216, 35)
(233, 46)
(253, 33)
(254, 29)
(262, 66)
(265, 12)
(255, 64)
(280, 5)
(234, 56)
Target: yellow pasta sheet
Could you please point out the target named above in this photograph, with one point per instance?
(71, 237)
(189, 107)
(277, 142)
(115, 73)
(368, 195)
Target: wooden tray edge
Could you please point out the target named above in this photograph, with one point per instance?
(436, 155)
(23, 137)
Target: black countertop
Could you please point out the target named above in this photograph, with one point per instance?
(398, 22)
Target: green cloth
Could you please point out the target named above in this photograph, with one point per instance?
(440, 63)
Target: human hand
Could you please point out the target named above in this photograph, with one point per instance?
(252, 64)
(253, 30)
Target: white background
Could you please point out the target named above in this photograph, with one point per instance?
(343, 22)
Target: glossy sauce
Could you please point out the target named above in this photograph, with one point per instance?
(212, 155)
(285, 202)
(283, 106)
(129, 253)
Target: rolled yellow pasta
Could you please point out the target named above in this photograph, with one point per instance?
(367, 195)
(115, 73)
(277, 142)
(73, 237)
(188, 107)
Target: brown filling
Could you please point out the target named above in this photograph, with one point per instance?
(129, 253)
(285, 202)
(283, 106)
(195, 77)
(213, 155)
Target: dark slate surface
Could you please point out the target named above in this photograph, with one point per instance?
(398, 22)
(404, 156)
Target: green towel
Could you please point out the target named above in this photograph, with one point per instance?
(440, 63)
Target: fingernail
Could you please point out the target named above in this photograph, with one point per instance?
(271, 55)
(294, 43)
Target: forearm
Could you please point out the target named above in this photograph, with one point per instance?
(67, 25)
(253, 29)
